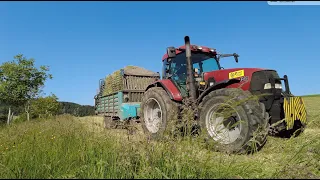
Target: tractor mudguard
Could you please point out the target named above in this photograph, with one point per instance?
(169, 87)
(219, 85)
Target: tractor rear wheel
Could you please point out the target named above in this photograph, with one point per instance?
(233, 121)
(158, 112)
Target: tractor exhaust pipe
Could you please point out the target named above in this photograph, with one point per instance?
(191, 88)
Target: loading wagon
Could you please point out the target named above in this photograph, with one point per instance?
(122, 101)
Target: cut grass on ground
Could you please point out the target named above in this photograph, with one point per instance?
(68, 147)
(312, 95)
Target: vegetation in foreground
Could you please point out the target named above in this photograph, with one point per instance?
(69, 147)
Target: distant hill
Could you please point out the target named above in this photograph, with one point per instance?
(76, 109)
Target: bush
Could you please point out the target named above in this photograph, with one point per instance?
(44, 107)
(21, 118)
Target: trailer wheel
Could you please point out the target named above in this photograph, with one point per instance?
(157, 112)
(233, 121)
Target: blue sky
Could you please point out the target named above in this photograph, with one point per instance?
(84, 41)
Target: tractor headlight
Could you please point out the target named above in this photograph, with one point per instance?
(278, 86)
(268, 86)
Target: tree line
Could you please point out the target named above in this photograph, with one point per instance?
(21, 84)
(64, 108)
(76, 109)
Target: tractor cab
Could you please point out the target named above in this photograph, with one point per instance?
(204, 60)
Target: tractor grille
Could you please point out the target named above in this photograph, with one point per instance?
(258, 80)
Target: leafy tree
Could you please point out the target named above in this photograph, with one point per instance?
(21, 81)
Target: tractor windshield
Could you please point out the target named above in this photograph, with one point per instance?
(203, 62)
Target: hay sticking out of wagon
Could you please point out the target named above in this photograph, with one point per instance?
(138, 71)
(114, 81)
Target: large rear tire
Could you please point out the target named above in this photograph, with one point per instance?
(158, 113)
(225, 131)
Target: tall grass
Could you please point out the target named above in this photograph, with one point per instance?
(68, 147)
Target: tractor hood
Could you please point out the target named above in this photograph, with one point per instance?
(244, 74)
(225, 74)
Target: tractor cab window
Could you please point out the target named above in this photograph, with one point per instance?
(177, 67)
(205, 63)
(210, 65)
(178, 70)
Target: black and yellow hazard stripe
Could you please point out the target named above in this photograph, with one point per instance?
(294, 109)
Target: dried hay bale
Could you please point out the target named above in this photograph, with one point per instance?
(114, 81)
(140, 71)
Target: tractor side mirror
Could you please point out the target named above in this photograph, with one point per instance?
(236, 57)
(171, 51)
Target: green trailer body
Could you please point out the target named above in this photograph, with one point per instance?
(124, 104)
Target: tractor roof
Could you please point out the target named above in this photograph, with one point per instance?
(193, 48)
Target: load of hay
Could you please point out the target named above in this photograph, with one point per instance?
(114, 81)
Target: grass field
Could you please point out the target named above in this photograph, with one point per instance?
(69, 147)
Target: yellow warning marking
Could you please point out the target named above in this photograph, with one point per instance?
(236, 74)
(294, 109)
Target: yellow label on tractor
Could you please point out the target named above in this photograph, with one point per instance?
(236, 74)
(294, 109)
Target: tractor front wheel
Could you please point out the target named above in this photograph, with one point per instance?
(233, 121)
(157, 112)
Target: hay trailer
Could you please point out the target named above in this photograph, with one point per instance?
(120, 95)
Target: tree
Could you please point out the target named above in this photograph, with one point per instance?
(21, 81)
(45, 106)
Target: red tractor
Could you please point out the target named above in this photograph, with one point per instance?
(192, 76)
